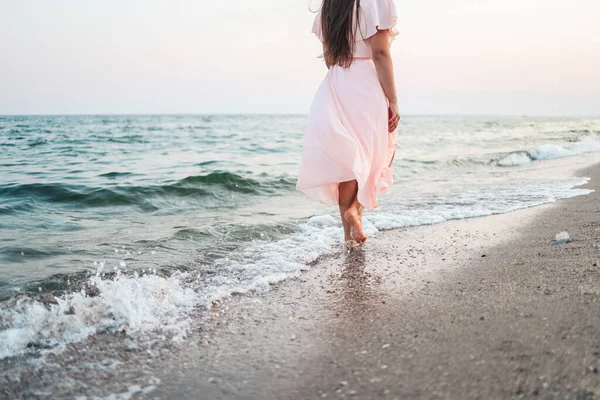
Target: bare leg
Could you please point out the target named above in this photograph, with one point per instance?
(351, 212)
(346, 224)
(347, 192)
(354, 217)
(361, 209)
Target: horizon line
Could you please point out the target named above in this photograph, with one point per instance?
(524, 115)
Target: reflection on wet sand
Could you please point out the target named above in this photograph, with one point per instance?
(358, 287)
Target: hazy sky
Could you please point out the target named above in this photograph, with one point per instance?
(258, 56)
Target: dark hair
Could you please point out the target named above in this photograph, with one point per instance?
(339, 33)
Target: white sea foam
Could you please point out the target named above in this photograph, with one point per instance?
(134, 390)
(587, 144)
(515, 159)
(141, 304)
(264, 263)
(480, 203)
(134, 304)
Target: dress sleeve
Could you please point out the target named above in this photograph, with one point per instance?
(377, 15)
(317, 27)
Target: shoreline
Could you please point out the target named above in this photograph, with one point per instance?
(473, 308)
(477, 308)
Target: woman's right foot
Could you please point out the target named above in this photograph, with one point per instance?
(355, 220)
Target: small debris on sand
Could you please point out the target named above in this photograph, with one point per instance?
(561, 238)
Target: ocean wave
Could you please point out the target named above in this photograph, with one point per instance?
(133, 304)
(228, 180)
(138, 303)
(71, 194)
(192, 187)
(114, 175)
(550, 151)
(587, 144)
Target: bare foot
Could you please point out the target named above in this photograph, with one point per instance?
(352, 244)
(352, 215)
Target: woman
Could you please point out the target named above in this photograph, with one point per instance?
(350, 137)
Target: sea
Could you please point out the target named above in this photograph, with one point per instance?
(134, 223)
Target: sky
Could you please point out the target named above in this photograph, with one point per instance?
(491, 57)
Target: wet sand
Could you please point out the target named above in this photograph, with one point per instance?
(484, 308)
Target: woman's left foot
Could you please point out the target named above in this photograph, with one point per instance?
(353, 244)
(353, 217)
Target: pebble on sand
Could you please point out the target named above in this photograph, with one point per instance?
(562, 238)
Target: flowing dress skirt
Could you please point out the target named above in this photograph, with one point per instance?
(347, 136)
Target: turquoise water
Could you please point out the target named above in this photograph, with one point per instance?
(73, 187)
(213, 198)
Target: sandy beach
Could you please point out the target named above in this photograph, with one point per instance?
(175, 203)
(483, 308)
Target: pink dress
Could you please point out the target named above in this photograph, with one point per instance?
(346, 134)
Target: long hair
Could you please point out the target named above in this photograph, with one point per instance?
(339, 30)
